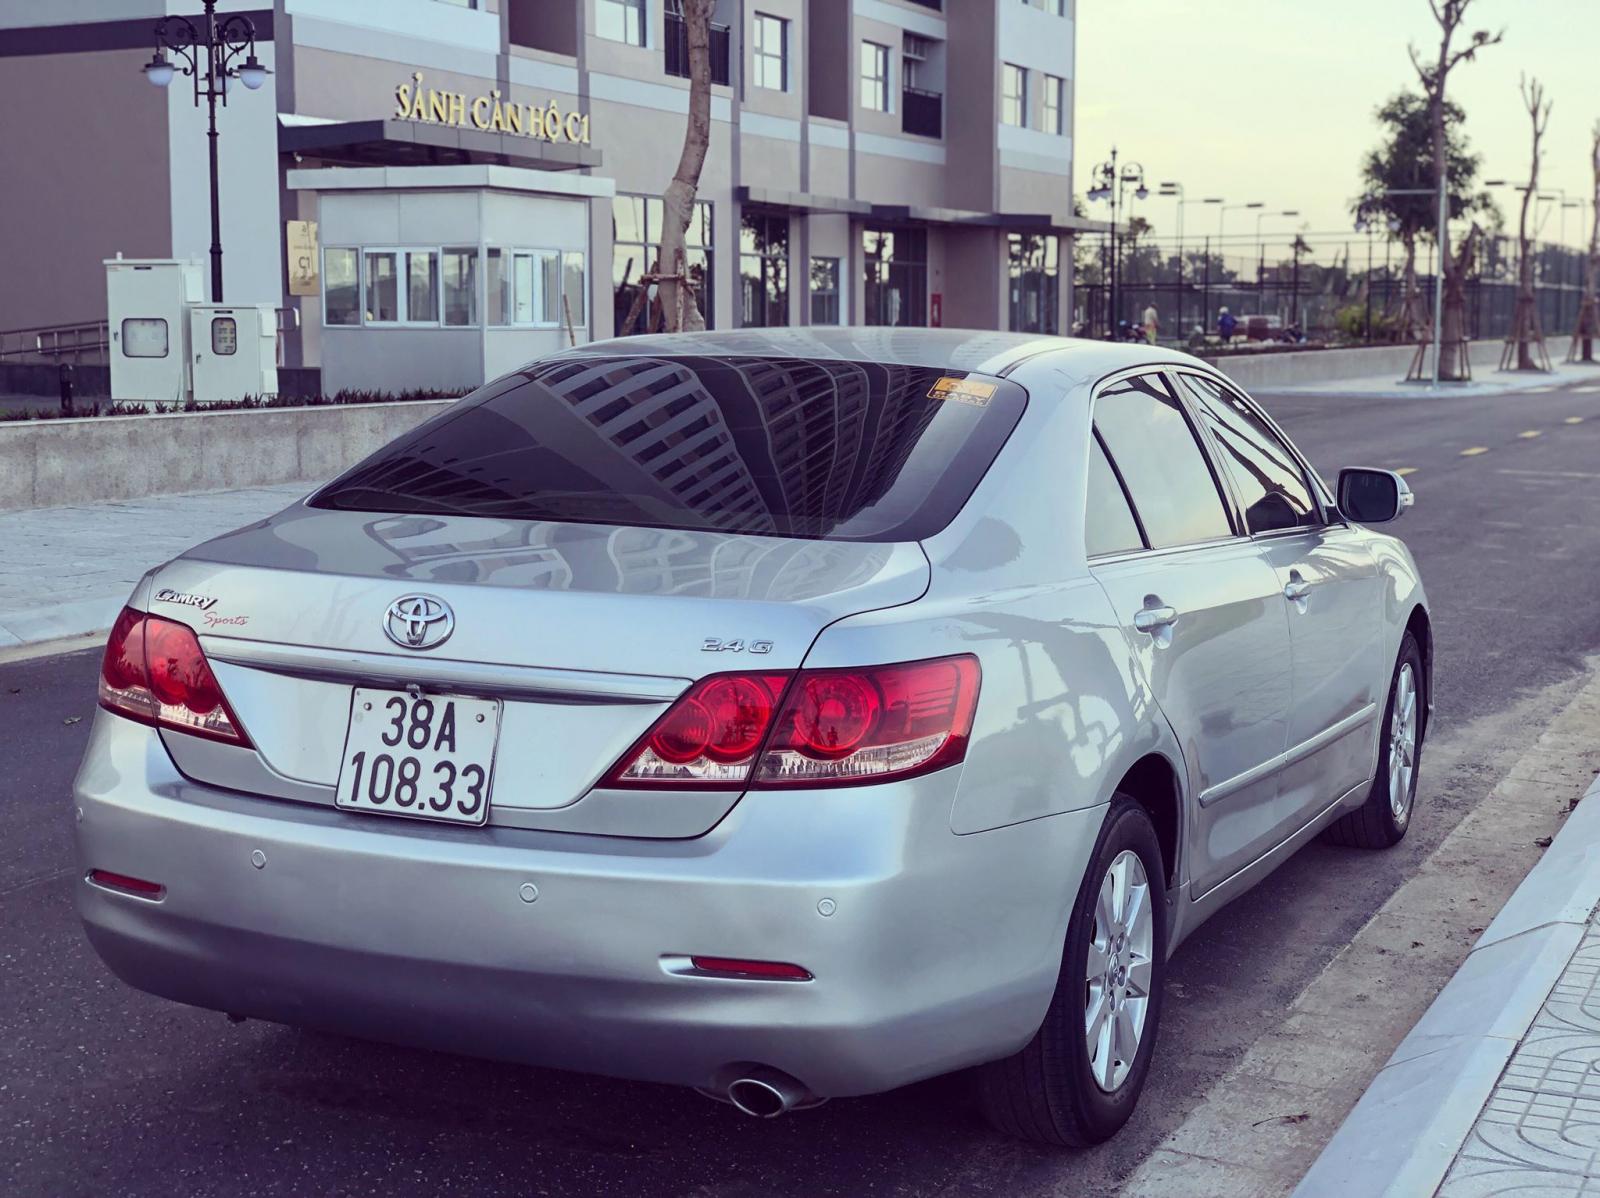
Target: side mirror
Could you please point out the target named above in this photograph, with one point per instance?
(1373, 496)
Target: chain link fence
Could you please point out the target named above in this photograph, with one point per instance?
(1330, 288)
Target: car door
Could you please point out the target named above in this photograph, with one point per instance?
(1202, 609)
(1331, 593)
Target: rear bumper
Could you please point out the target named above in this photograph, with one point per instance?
(941, 950)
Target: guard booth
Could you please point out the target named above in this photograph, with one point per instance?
(168, 345)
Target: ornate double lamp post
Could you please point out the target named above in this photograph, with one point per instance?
(209, 54)
(1111, 183)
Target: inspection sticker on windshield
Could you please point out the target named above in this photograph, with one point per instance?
(968, 391)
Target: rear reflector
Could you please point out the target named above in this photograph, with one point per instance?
(735, 967)
(811, 728)
(122, 882)
(154, 672)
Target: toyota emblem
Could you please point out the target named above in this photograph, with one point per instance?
(419, 622)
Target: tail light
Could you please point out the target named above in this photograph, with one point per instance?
(154, 672)
(809, 728)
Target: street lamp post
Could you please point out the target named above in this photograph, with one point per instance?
(207, 53)
(1222, 221)
(1113, 182)
(1261, 256)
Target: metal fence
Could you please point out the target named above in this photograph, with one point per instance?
(1332, 287)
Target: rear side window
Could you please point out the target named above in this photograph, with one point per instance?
(779, 446)
(1148, 437)
(1271, 487)
(1108, 523)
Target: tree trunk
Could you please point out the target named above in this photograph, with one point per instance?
(679, 305)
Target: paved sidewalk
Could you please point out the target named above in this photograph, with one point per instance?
(1484, 382)
(1496, 1090)
(68, 570)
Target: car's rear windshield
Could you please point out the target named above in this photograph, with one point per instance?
(789, 447)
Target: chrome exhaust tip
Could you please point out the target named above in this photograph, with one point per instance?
(766, 1093)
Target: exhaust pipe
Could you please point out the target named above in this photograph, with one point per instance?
(765, 1093)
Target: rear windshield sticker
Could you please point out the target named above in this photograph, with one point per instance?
(967, 391)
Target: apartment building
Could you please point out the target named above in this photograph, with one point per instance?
(438, 190)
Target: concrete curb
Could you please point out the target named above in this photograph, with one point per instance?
(1403, 1134)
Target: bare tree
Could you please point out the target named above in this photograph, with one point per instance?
(1526, 333)
(1435, 77)
(1588, 326)
(679, 304)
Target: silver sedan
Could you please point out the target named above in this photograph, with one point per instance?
(785, 715)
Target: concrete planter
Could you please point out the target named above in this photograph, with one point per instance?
(51, 463)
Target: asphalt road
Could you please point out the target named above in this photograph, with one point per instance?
(106, 1091)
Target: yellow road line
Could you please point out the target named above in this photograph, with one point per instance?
(1574, 420)
(1529, 435)
(1474, 451)
(1405, 470)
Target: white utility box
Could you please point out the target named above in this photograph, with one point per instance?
(233, 351)
(146, 300)
(168, 345)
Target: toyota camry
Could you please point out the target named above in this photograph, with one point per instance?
(786, 715)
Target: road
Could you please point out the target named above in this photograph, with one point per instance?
(106, 1091)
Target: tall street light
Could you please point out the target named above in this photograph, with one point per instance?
(1112, 183)
(1261, 257)
(208, 54)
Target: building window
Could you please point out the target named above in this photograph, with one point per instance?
(875, 76)
(1055, 104)
(381, 285)
(770, 53)
(1013, 95)
(1058, 7)
(422, 287)
(764, 270)
(620, 21)
(896, 276)
(341, 287)
(825, 291)
(636, 240)
(144, 337)
(460, 277)
(1034, 269)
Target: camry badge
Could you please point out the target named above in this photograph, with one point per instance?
(419, 622)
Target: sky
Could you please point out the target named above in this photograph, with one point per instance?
(1273, 100)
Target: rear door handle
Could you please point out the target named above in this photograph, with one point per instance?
(1154, 619)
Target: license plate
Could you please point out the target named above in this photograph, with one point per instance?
(422, 756)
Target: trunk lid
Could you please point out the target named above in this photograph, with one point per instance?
(585, 632)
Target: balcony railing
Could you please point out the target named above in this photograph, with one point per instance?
(677, 48)
(922, 112)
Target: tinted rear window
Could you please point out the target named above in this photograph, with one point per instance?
(778, 446)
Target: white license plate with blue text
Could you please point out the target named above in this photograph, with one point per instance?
(416, 755)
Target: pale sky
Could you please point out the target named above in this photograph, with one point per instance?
(1272, 100)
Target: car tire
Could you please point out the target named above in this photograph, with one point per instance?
(1055, 1090)
(1381, 821)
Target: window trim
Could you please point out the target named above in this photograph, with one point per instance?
(1308, 472)
(1054, 87)
(1224, 487)
(643, 7)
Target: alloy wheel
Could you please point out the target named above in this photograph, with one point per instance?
(1403, 743)
(1118, 973)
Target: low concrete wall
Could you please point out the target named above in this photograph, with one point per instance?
(51, 463)
(1289, 368)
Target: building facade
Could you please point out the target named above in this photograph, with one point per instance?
(436, 191)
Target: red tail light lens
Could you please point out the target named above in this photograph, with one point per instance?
(154, 672)
(839, 727)
(814, 728)
(709, 737)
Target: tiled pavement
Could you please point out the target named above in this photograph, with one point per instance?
(1540, 1130)
(65, 571)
